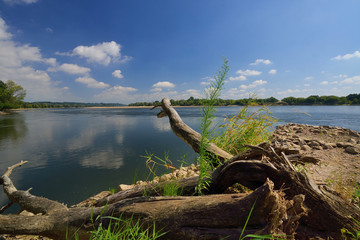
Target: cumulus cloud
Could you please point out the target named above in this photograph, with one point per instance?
(70, 69)
(309, 78)
(348, 56)
(118, 94)
(273, 71)
(164, 84)
(248, 72)
(238, 78)
(117, 74)
(258, 61)
(102, 53)
(253, 84)
(14, 60)
(4, 35)
(352, 80)
(91, 83)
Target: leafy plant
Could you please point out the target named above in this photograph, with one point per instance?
(244, 129)
(212, 93)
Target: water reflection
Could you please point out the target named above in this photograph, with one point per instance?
(107, 159)
(12, 127)
(161, 124)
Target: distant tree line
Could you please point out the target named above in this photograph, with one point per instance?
(66, 105)
(351, 99)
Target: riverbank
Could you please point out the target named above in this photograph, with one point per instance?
(330, 156)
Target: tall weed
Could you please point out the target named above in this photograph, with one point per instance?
(212, 94)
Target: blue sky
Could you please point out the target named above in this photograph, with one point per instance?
(140, 50)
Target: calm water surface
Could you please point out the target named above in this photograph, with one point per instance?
(75, 153)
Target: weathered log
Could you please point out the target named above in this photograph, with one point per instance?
(191, 217)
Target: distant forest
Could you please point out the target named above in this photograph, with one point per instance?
(66, 105)
(351, 99)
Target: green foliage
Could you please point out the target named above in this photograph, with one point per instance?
(172, 189)
(67, 105)
(243, 129)
(346, 234)
(11, 95)
(112, 228)
(212, 93)
(129, 229)
(356, 194)
(351, 99)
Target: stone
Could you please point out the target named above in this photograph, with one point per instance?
(124, 187)
(327, 146)
(352, 150)
(305, 148)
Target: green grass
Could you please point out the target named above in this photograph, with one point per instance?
(244, 129)
(129, 229)
(172, 189)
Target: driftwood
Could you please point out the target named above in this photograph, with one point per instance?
(286, 201)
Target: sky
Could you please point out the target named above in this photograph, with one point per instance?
(125, 51)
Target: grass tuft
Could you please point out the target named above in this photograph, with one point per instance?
(245, 128)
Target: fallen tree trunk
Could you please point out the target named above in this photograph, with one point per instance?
(192, 217)
(279, 193)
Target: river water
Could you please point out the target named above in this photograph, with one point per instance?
(76, 153)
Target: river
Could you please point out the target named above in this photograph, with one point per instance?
(76, 153)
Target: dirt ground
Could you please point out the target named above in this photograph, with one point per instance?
(330, 155)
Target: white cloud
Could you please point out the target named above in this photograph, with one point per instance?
(91, 83)
(156, 90)
(238, 78)
(164, 84)
(348, 56)
(309, 78)
(12, 2)
(324, 83)
(117, 74)
(14, 60)
(118, 94)
(70, 69)
(248, 72)
(102, 53)
(341, 76)
(307, 85)
(4, 35)
(352, 80)
(296, 92)
(253, 84)
(273, 71)
(258, 61)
